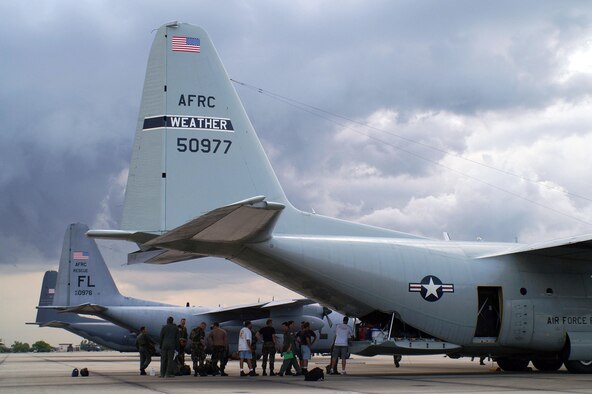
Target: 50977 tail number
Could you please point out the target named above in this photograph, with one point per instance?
(205, 145)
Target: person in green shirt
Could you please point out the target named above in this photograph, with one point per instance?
(288, 351)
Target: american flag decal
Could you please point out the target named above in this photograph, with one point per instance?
(79, 255)
(186, 44)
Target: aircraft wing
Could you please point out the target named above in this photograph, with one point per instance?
(575, 248)
(255, 311)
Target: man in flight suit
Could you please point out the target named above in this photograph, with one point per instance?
(169, 342)
(198, 348)
(145, 346)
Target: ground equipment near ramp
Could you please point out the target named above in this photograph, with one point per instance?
(86, 286)
(99, 331)
(200, 184)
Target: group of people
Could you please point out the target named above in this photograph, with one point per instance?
(296, 348)
(173, 339)
(296, 345)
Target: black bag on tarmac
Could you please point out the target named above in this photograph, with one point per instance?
(314, 374)
(185, 370)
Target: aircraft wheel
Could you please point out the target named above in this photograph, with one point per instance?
(577, 366)
(512, 364)
(547, 365)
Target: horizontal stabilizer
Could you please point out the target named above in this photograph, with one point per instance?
(245, 221)
(55, 324)
(88, 309)
(160, 256)
(138, 237)
(575, 248)
(216, 233)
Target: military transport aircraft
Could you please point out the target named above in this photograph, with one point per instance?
(200, 184)
(85, 286)
(96, 330)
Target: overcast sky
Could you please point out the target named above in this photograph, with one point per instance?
(473, 118)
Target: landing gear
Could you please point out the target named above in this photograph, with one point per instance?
(575, 366)
(547, 365)
(512, 364)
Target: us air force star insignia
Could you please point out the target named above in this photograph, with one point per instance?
(431, 288)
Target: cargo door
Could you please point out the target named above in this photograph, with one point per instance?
(489, 314)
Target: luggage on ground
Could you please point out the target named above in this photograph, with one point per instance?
(314, 375)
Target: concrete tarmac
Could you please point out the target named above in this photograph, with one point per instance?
(118, 373)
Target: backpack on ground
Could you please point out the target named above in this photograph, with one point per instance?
(314, 374)
(84, 372)
(185, 370)
(206, 369)
(75, 372)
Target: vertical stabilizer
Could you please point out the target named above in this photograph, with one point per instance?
(48, 287)
(195, 149)
(83, 276)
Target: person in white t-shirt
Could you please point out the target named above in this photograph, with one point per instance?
(244, 349)
(343, 333)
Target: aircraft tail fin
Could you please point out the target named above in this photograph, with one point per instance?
(48, 287)
(195, 149)
(83, 276)
(47, 315)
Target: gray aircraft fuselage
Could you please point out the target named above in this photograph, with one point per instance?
(360, 276)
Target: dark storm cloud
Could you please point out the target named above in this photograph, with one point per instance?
(66, 127)
(72, 74)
